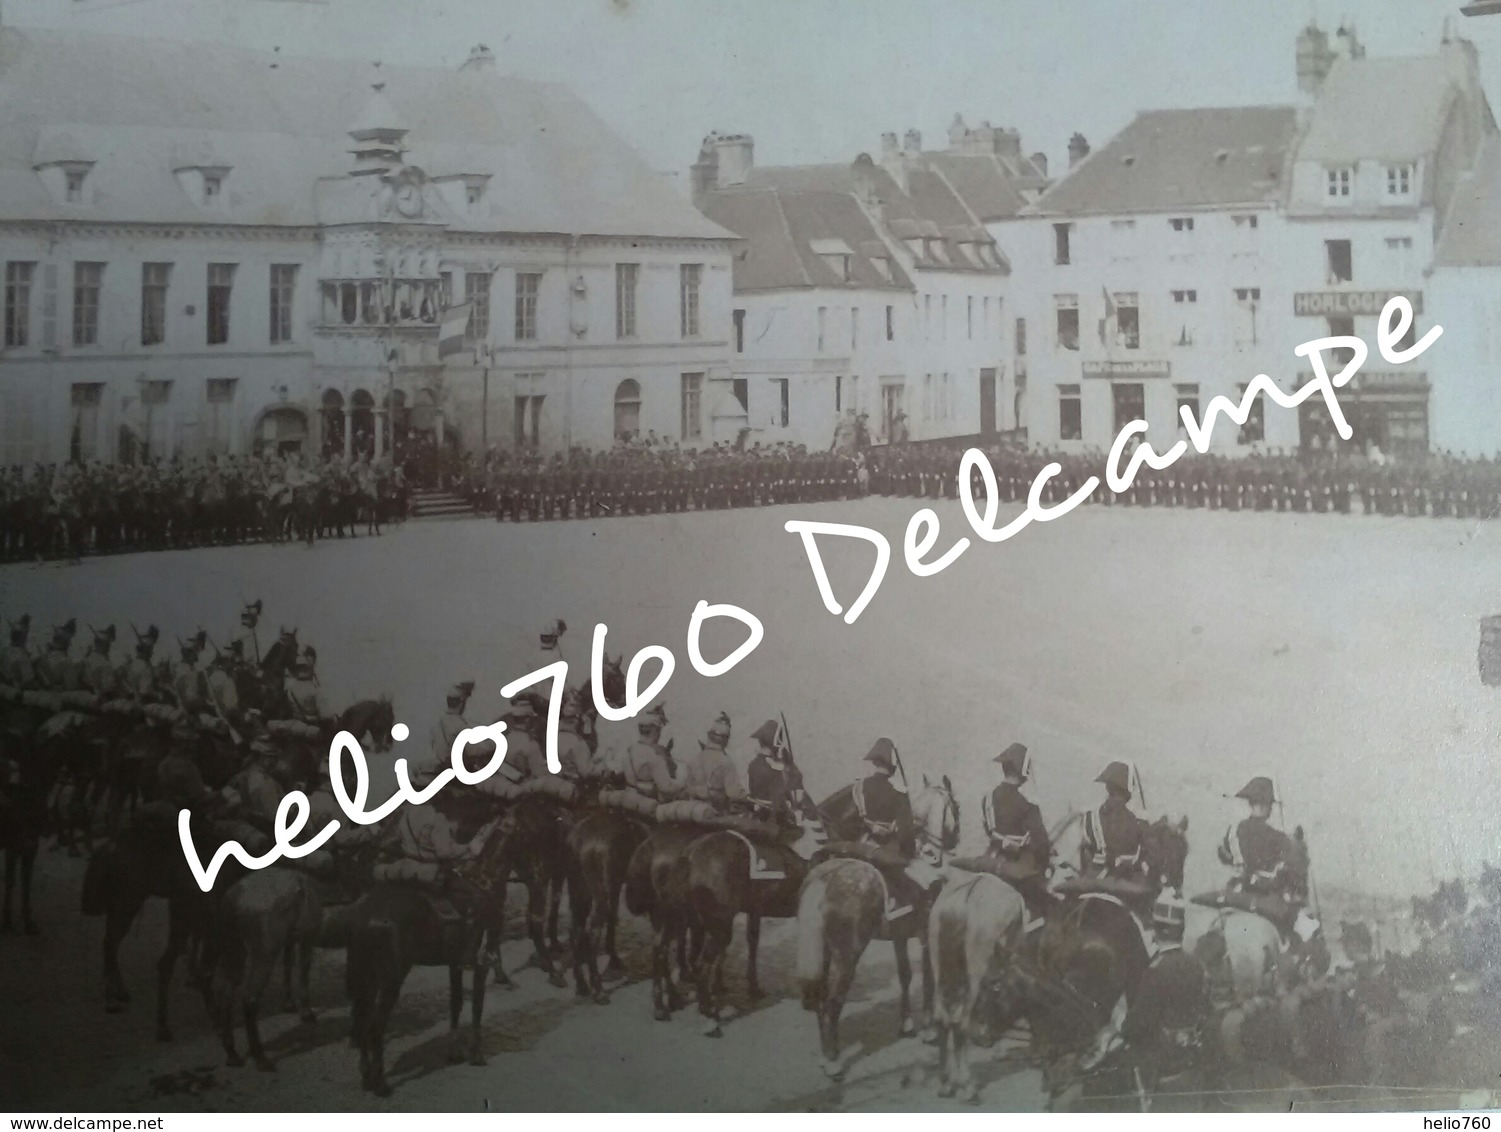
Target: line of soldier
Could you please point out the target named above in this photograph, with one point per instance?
(629, 480)
(1440, 486)
(58, 510)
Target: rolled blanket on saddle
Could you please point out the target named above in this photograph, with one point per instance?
(1278, 909)
(429, 874)
(10, 694)
(163, 713)
(43, 701)
(78, 701)
(126, 708)
(628, 801)
(1012, 872)
(1128, 889)
(292, 729)
(883, 859)
(686, 810)
(64, 724)
(548, 786)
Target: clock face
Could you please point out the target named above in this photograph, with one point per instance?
(408, 199)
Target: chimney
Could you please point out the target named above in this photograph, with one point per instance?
(1314, 59)
(481, 58)
(735, 154)
(703, 175)
(1041, 161)
(888, 147)
(1078, 150)
(957, 132)
(912, 145)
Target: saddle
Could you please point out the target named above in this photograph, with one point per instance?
(1269, 906)
(628, 801)
(1027, 880)
(904, 897)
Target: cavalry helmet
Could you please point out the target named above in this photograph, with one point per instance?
(551, 632)
(720, 728)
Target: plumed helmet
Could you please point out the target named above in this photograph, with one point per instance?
(105, 638)
(883, 754)
(1258, 792)
(551, 632)
(654, 716)
(146, 642)
(720, 728)
(1014, 760)
(1116, 776)
(460, 692)
(63, 634)
(251, 613)
(20, 630)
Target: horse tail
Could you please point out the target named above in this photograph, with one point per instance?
(638, 882)
(98, 880)
(812, 951)
(948, 928)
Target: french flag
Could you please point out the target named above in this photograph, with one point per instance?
(451, 328)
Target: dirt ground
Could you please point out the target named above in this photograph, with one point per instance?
(1335, 653)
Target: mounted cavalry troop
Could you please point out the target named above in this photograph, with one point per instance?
(1074, 933)
(68, 510)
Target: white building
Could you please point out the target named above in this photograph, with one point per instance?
(1197, 248)
(212, 249)
(869, 287)
(1373, 179)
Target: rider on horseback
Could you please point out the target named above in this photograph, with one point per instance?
(524, 757)
(98, 672)
(647, 767)
(1266, 861)
(578, 763)
(16, 667)
(304, 696)
(710, 775)
(1112, 833)
(137, 676)
(55, 669)
(774, 785)
(886, 824)
(1017, 836)
(185, 680)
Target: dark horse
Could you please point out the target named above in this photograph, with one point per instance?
(656, 886)
(1075, 979)
(395, 927)
(26, 777)
(147, 860)
(842, 908)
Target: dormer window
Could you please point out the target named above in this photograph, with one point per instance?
(472, 194)
(213, 185)
(74, 185)
(204, 184)
(1338, 184)
(1399, 181)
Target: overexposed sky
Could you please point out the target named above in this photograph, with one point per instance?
(819, 80)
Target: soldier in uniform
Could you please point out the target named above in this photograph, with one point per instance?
(1112, 833)
(450, 724)
(304, 696)
(137, 676)
(250, 646)
(1266, 861)
(56, 670)
(885, 812)
(1017, 835)
(577, 763)
(185, 680)
(16, 666)
(710, 776)
(220, 691)
(647, 766)
(98, 672)
(773, 784)
(524, 756)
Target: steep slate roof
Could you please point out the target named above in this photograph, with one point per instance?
(1472, 232)
(1167, 159)
(133, 104)
(1389, 109)
(779, 228)
(926, 208)
(986, 182)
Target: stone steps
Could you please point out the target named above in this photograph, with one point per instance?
(440, 505)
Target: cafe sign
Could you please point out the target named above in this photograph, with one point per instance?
(1323, 303)
(1126, 369)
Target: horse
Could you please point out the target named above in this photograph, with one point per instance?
(143, 861)
(530, 844)
(395, 927)
(1077, 981)
(370, 722)
(602, 847)
(975, 927)
(842, 907)
(25, 781)
(263, 916)
(656, 886)
(724, 875)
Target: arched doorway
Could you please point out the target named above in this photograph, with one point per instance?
(333, 423)
(627, 409)
(281, 431)
(362, 420)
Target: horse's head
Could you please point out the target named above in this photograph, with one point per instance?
(935, 817)
(382, 719)
(612, 679)
(1164, 848)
